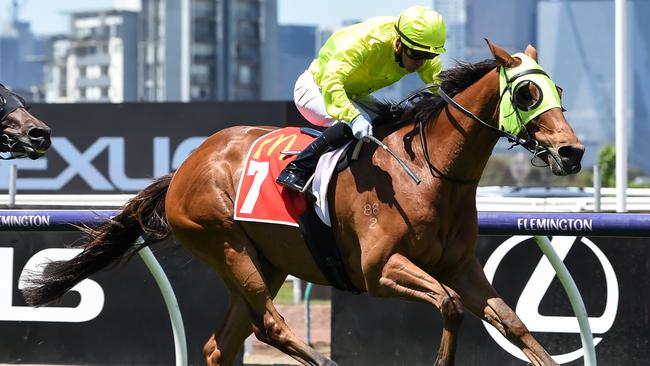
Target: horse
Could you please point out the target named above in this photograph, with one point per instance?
(417, 243)
(23, 135)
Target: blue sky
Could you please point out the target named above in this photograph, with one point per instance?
(49, 16)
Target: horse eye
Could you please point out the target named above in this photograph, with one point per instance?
(527, 96)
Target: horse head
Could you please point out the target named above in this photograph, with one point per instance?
(23, 135)
(531, 108)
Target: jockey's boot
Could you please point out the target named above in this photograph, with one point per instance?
(296, 175)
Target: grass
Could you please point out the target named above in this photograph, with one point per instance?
(285, 296)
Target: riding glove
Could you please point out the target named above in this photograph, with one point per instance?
(361, 128)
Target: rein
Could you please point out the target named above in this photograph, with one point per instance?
(528, 143)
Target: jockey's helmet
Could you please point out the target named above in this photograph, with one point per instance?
(422, 29)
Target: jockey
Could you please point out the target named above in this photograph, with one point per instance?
(354, 62)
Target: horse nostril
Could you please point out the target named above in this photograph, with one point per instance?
(39, 133)
(571, 155)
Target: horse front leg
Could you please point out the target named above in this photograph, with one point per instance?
(401, 278)
(483, 300)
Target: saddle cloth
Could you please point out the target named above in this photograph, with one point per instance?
(260, 199)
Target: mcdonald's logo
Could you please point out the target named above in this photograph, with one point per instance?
(277, 140)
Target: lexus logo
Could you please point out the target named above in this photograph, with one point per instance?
(91, 294)
(527, 307)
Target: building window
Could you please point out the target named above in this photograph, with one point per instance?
(82, 71)
(82, 33)
(200, 93)
(248, 10)
(85, 51)
(203, 49)
(249, 30)
(104, 92)
(244, 74)
(93, 71)
(82, 93)
(93, 92)
(204, 30)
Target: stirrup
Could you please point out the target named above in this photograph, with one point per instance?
(292, 182)
(309, 195)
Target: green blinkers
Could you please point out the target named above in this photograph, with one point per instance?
(515, 113)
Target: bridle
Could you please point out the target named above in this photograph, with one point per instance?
(9, 102)
(528, 142)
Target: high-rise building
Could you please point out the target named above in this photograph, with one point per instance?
(208, 50)
(163, 50)
(512, 24)
(298, 47)
(56, 70)
(100, 61)
(22, 56)
(455, 16)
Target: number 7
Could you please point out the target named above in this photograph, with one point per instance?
(260, 170)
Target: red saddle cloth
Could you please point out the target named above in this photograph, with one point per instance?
(259, 197)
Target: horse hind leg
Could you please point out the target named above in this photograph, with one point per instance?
(482, 299)
(224, 344)
(401, 278)
(235, 258)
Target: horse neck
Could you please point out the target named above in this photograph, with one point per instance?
(460, 147)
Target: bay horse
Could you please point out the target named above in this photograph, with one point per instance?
(417, 243)
(22, 135)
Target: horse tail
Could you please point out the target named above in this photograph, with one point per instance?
(107, 244)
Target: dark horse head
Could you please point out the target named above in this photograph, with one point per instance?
(23, 135)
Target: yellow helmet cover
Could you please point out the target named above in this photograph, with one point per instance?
(423, 29)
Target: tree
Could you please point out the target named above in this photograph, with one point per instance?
(607, 164)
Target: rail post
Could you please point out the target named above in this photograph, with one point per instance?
(575, 299)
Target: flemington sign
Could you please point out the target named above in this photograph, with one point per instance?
(51, 220)
(550, 223)
(20, 221)
(568, 224)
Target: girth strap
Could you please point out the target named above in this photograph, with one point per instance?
(320, 241)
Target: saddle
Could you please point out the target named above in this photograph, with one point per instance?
(260, 199)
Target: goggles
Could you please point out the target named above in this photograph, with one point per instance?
(418, 55)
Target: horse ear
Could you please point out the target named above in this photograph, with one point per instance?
(501, 55)
(531, 52)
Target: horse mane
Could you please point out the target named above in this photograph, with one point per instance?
(453, 81)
